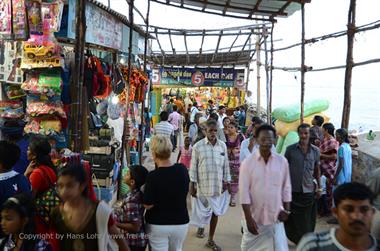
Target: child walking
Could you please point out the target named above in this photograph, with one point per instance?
(83, 224)
(184, 155)
(131, 213)
(17, 216)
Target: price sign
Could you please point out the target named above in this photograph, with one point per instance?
(197, 78)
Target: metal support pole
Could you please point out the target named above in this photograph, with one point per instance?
(80, 35)
(349, 64)
(125, 143)
(303, 67)
(271, 74)
(265, 34)
(143, 103)
(258, 64)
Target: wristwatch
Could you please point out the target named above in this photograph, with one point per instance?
(320, 190)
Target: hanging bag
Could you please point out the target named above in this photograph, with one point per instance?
(47, 201)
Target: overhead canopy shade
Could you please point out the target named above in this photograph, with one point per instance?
(241, 58)
(247, 9)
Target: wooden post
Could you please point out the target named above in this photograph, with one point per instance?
(80, 36)
(143, 103)
(258, 64)
(125, 143)
(271, 74)
(265, 34)
(303, 67)
(349, 64)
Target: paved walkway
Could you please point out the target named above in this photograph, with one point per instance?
(228, 234)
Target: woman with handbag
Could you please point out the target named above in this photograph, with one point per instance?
(42, 177)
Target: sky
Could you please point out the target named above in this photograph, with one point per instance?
(322, 17)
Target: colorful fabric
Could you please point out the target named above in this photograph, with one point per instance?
(132, 211)
(328, 167)
(233, 149)
(209, 167)
(259, 181)
(185, 158)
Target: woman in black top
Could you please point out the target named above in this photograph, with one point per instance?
(165, 194)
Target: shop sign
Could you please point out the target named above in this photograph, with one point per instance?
(190, 77)
(102, 28)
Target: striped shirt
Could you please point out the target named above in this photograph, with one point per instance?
(209, 167)
(326, 241)
(164, 128)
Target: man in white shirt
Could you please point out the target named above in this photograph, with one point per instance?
(221, 115)
(164, 128)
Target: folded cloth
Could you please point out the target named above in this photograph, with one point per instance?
(203, 207)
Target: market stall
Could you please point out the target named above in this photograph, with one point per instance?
(37, 70)
(224, 86)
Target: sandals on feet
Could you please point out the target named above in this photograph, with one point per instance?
(213, 246)
(201, 233)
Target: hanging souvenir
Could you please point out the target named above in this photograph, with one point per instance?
(20, 27)
(52, 15)
(5, 18)
(34, 17)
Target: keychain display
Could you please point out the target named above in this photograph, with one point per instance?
(43, 126)
(43, 84)
(44, 108)
(14, 92)
(11, 110)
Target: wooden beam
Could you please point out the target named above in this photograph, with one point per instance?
(349, 64)
(187, 51)
(142, 140)
(171, 43)
(217, 47)
(271, 74)
(267, 80)
(303, 67)
(77, 105)
(258, 66)
(125, 138)
(226, 6)
(255, 9)
(205, 2)
(245, 44)
(159, 44)
(283, 8)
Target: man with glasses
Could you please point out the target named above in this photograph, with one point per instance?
(210, 177)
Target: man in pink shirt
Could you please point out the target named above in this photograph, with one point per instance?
(265, 195)
(175, 120)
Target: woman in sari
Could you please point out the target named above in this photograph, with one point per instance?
(233, 142)
(329, 149)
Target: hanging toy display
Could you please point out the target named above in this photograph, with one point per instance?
(20, 27)
(5, 18)
(137, 85)
(34, 17)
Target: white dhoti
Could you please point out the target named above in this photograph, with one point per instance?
(270, 238)
(202, 208)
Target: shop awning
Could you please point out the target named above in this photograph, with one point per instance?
(246, 9)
